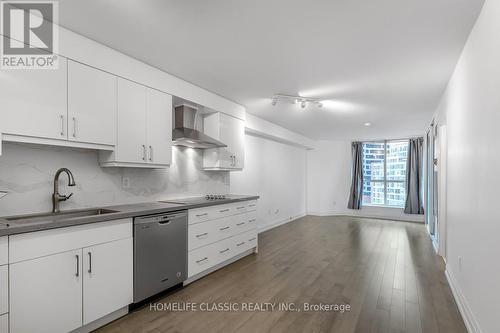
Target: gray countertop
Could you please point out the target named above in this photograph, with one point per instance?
(26, 223)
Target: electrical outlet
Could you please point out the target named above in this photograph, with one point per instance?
(125, 182)
(276, 211)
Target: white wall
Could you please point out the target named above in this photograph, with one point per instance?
(329, 181)
(277, 172)
(471, 107)
(27, 172)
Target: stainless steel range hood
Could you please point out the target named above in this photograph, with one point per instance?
(184, 133)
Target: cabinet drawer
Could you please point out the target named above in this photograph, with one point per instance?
(251, 205)
(4, 323)
(226, 210)
(4, 250)
(202, 214)
(202, 259)
(251, 218)
(241, 207)
(42, 243)
(4, 289)
(241, 224)
(201, 234)
(245, 241)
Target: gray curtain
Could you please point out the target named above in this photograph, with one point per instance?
(356, 193)
(414, 177)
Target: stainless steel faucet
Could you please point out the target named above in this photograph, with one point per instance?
(56, 197)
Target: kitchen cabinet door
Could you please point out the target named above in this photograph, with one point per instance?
(33, 102)
(107, 278)
(131, 144)
(159, 127)
(91, 105)
(46, 294)
(237, 134)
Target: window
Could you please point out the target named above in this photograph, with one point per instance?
(384, 173)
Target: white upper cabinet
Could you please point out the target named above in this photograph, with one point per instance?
(33, 102)
(144, 137)
(91, 105)
(230, 131)
(159, 127)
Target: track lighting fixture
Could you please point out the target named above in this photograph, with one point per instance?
(304, 101)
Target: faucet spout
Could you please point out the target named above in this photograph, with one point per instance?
(56, 197)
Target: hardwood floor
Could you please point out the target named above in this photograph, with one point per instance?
(386, 271)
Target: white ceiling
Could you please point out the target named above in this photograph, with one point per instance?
(381, 61)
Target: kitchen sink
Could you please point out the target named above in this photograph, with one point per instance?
(54, 217)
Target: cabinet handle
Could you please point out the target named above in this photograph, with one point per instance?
(252, 220)
(224, 210)
(240, 244)
(238, 224)
(201, 260)
(240, 207)
(201, 235)
(200, 215)
(224, 228)
(150, 153)
(77, 265)
(224, 250)
(62, 125)
(90, 262)
(252, 239)
(74, 127)
(143, 152)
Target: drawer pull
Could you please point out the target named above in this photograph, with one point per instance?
(252, 205)
(201, 260)
(240, 244)
(224, 210)
(252, 220)
(224, 228)
(252, 239)
(201, 235)
(200, 215)
(224, 250)
(238, 224)
(240, 207)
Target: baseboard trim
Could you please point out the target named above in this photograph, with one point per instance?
(278, 223)
(463, 306)
(102, 321)
(367, 216)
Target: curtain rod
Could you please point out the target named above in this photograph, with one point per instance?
(400, 139)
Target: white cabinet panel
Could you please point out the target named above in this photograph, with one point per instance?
(91, 105)
(159, 125)
(4, 249)
(4, 289)
(34, 102)
(202, 259)
(107, 278)
(46, 294)
(131, 144)
(4, 323)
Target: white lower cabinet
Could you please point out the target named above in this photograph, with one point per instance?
(4, 289)
(46, 294)
(107, 271)
(212, 242)
(59, 292)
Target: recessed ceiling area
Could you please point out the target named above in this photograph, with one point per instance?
(383, 62)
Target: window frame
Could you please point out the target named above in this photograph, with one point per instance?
(385, 181)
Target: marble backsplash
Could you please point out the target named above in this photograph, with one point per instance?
(27, 172)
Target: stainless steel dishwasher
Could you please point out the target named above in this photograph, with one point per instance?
(160, 253)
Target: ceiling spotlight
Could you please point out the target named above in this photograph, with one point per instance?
(368, 124)
(303, 104)
(275, 100)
